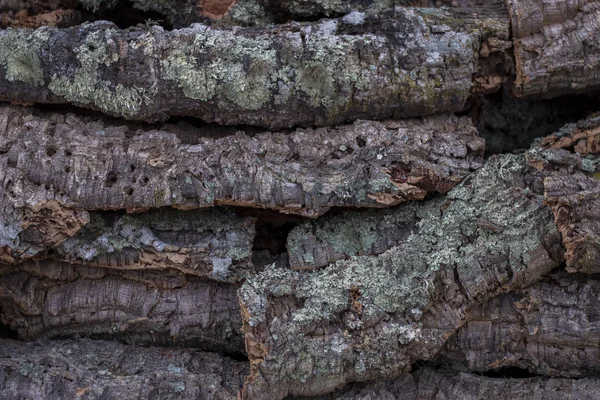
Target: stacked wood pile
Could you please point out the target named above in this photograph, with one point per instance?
(256, 199)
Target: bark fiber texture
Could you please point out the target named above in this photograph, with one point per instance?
(301, 199)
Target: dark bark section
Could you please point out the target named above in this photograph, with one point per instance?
(87, 369)
(550, 328)
(405, 63)
(82, 163)
(371, 317)
(571, 163)
(433, 383)
(51, 299)
(557, 46)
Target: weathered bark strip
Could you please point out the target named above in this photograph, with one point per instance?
(50, 299)
(315, 244)
(371, 317)
(57, 18)
(208, 243)
(550, 328)
(572, 189)
(88, 164)
(89, 369)
(409, 62)
(557, 46)
(431, 383)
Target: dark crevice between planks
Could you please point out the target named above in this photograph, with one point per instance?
(510, 124)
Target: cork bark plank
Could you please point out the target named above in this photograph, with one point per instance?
(371, 317)
(407, 62)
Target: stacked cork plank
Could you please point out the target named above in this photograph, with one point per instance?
(273, 200)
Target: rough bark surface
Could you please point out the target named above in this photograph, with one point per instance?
(86, 164)
(90, 369)
(318, 243)
(572, 189)
(432, 383)
(371, 317)
(207, 243)
(51, 299)
(550, 328)
(557, 46)
(405, 63)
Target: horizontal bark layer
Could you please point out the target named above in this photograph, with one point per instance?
(405, 63)
(371, 317)
(215, 244)
(432, 383)
(61, 164)
(550, 328)
(557, 46)
(315, 244)
(89, 369)
(50, 299)
(570, 159)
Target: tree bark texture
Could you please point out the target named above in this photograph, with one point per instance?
(405, 63)
(570, 158)
(91, 369)
(69, 163)
(371, 317)
(52, 299)
(557, 46)
(550, 328)
(434, 383)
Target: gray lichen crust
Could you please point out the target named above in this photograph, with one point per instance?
(401, 64)
(210, 243)
(371, 317)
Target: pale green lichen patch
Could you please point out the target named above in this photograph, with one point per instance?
(493, 233)
(222, 64)
(86, 87)
(19, 54)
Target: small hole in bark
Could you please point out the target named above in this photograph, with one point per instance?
(111, 179)
(50, 151)
(129, 191)
(508, 372)
(68, 153)
(361, 142)
(108, 145)
(132, 168)
(47, 187)
(67, 169)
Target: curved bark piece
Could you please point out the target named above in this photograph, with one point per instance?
(572, 189)
(57, 18)
(549, 328)
(91, 369)
(557, 46)
(405, 63)
(315, 244)
(371, 317)
(51, 299)
(93, 165)
(431, 383)
(215, 244)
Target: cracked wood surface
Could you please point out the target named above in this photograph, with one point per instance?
(215, 243)
(404, 63)
(557, 46)
(433, 383)
(371, 317)
(92, 369)
(571, 161)
(550, 328)
(84, 163)
(51, 299)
